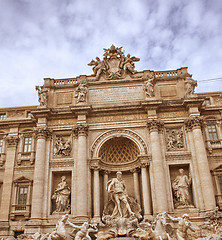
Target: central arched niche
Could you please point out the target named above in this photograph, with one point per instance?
(118, 150)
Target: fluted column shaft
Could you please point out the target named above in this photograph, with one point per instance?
(39, 174)
(158, 169)
(136, 185)
(202, 162)
(96, 194)
(8, 177)
(146, 195)
(105, 180)
(82, 173)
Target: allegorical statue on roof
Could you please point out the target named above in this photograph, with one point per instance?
(115, 64)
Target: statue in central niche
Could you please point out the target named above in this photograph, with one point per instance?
(117, 188)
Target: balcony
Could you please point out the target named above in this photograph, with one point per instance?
(20, 210)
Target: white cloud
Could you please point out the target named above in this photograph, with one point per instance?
(57, 39)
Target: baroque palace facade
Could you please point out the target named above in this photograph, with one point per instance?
(62, 156)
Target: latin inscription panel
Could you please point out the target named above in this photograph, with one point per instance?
(121, 94)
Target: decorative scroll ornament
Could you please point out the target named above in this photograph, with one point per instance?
(175, 140)
(154, 125)
(63, 146)
(114, 65)
(12, 140)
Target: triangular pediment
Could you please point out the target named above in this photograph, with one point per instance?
(22, 180)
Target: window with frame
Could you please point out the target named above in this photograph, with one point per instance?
(2, 116)
(22, 195)
(1, 145)
(27, 144)
(212, 130)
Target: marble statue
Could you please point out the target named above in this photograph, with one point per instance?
(43, 95)
(184, 224)
(128, 63)
(81, 92)
(83, 231)
(60, 233)
(115, 64)
(181, 185)
(62, 147)
(61, 195)
(190, 86)
(117, 188)
(149, 87)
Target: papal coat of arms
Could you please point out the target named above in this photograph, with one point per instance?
(114, 65)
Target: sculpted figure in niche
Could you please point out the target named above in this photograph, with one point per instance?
(99, 67)
(190, 86)
(181, 185)
(149, 91)
(61, 195)
(81, 92)
(117, 188)
(184, 224)
(43, 95)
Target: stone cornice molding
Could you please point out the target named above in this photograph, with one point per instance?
(81, 129)
(155, 125)
(12, 140)
(193, 122)
(42, 132)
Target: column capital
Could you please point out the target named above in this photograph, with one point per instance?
(154, 125)
(12, 140)
(42, 132)
(80, 129)
(193, 122)
(134, 170)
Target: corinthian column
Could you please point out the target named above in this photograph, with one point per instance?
(39, 173)
(96, 194)
(157, 166)
(136, 184)
(12, 141)
(194, 123)
(82, 173)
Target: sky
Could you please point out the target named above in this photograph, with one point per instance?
(58, 38)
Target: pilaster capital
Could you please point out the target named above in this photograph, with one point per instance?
(42, 132)
(134, 170)
(154, 125)
(12, 140)
(94, 167)
(193, 122)
(80, 129)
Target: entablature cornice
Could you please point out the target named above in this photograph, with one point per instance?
(42, 113)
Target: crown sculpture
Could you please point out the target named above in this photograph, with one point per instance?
(115, 64)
